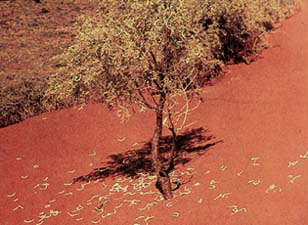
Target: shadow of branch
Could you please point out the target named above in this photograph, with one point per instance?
(133, 162)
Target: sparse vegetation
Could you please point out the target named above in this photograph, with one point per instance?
(151, 54)
(25, 99)
(240, 25)
(21, 101)
(146, 55)
(233, 32)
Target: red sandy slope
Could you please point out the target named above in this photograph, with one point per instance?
(259, 111)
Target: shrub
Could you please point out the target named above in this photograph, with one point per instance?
(20, 101)
(27, 98)
(55, 97)
(240, 25)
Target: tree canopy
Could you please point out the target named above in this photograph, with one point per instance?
(135, 49)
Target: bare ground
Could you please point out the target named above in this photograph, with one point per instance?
(32, 34)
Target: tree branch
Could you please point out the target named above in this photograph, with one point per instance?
(145, 102)
(154, 60)
(154, 100)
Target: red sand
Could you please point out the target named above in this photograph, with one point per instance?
(259, 111)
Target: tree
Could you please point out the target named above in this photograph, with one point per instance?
(147, 53)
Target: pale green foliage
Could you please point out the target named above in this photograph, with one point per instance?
(121, 55)
(55, 98)
(139, 46)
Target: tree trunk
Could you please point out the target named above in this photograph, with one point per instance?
(170, 162)
(163, 182)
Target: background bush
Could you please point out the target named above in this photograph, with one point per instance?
(239, 25)
(21, 100)
(27, 98)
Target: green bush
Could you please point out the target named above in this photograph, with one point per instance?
(54, 97)
(20, 101)
(240, 25)
(27, 98)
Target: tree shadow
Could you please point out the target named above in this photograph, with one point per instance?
(133, 162)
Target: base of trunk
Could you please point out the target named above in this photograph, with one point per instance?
(163, 184)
